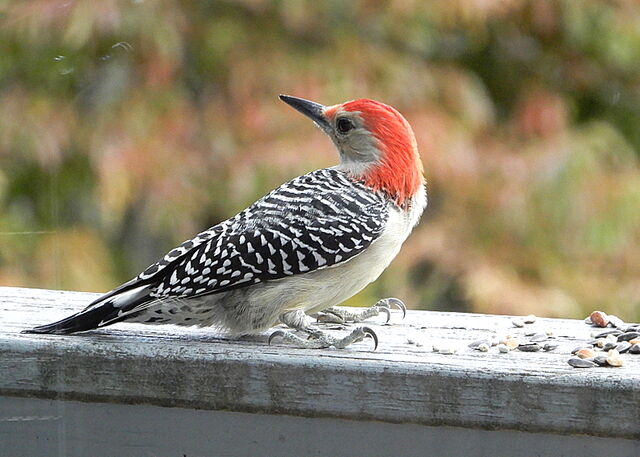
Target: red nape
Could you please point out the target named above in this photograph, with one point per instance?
(400, 173)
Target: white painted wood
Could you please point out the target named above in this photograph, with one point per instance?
(401, 382)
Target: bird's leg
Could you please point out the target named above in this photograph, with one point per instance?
(343, 315)
(298, 320)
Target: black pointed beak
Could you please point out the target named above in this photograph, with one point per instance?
(313, 110)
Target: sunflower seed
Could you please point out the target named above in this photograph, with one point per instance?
(616, 321)
(601, 360)
(529, 347)
(624, 346)
(580, 363)
(575, 350)
(517, 322)
(613, 331)
(476, 343)
(628, 336)
(504, 349)
(538, 337)
(549, 346)
(530, 319)
(635, 349)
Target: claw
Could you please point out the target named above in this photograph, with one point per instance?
(386, 310)
(276, 334)
(397, 303)
(369, 332)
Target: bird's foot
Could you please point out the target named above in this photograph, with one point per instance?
(318, 339)
(343, 315)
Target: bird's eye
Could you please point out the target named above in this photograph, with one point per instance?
(344, 125)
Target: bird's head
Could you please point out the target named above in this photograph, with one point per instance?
(375, 142)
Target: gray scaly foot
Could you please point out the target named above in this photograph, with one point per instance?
(319, 340)
(343, 315)
(298, 320)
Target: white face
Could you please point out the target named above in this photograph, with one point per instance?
(357, 146)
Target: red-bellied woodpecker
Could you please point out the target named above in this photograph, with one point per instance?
(302, 249)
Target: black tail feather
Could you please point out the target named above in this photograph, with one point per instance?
(114, 308)
(79, 322)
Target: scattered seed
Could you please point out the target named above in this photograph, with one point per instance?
(538, 337)
(614, 359)
(635, 348)
(504, 349)
(575, 350)
(530, 319)
(511, 343)
(550, 333)
(529, 347)
(599, 318)
(476, 343)
(549, 346)
(610, 345)
(628, 336)
(484, 347)
(616, 321)
(613, 331)
(601, 360)
(600, 342)
(586, 353)
(517, 322)
(624, 346)
(448, 350)
(580, 363)
(529, 333)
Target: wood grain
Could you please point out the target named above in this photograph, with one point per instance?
(400, 382)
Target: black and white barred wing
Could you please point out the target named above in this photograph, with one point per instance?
(313, 222)
(282, 248)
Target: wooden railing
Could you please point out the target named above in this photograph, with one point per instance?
(531, 401)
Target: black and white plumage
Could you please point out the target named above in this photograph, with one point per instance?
(305, 246)
(316, 221)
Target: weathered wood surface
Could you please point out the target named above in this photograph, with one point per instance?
(34, 427)
(400, 382)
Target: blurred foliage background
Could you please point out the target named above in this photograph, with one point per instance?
(128, 126)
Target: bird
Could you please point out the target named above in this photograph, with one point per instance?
(297, 252)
